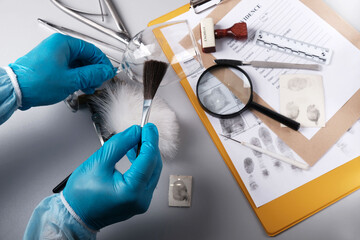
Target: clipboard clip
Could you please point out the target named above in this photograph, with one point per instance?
(201, 5)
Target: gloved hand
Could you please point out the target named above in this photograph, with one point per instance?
(100, 195)
(59, 66)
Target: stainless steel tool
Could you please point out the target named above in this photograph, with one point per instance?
(119, 24)
(122, 36)
(70, 32)
(266, 64)
(202, 5)
(84, 12)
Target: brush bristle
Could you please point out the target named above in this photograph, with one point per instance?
(154, 72)
(120, 106)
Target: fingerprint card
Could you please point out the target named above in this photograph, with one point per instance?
(302, 99)
(180, 191)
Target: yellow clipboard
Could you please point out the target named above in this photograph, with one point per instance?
(308, 199)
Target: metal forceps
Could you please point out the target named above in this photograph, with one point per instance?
(122, 34)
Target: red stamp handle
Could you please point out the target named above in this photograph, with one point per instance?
(237, 31)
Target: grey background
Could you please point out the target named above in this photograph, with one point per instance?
(39, 147)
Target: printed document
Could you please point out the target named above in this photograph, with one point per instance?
(262, 175)
(292, 19)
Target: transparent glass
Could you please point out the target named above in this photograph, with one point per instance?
(225, 91)
(170, 42)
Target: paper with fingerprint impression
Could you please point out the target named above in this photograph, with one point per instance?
(302, 99)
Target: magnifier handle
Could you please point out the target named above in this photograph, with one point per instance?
(276, 116)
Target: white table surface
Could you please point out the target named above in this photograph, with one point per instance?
(39, 147)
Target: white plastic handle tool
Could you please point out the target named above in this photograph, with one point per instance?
(272, 154)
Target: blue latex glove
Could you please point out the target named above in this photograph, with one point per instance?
(100, 195)
(59, 66)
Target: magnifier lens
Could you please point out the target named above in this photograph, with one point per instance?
(224, 91)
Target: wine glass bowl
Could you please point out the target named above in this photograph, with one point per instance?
(169, 42)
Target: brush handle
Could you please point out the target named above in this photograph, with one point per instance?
(276, 116)
(277, 156)
(144, 119)
(61, 185)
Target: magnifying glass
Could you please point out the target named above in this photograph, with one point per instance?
(225, 91)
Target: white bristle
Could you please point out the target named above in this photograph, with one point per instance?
(121, 107)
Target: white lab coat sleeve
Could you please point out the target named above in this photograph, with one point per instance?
(10, 94)
(53, 218)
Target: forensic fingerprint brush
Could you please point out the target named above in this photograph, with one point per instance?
(154, 72)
